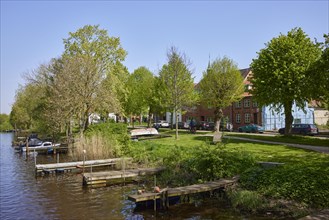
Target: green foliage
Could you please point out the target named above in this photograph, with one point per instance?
(280, 72)
(307, 184)
(221, 85)
(139, 86)
(211, 162)
(244, 200)
(176, 85)
(321, 71)
(5, 123)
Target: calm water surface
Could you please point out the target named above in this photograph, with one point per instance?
(23, 196)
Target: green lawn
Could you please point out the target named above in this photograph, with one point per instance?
(304, 177)
(295, 139)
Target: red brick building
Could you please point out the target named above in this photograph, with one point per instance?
(239, 114)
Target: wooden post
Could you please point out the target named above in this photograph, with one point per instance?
(154, 200)
(57, 157)
(27, 147)
(167, 199)
(84, 158)
(124, 171)
(35, 158)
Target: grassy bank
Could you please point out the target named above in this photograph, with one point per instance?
(303, 179)
(295, 139)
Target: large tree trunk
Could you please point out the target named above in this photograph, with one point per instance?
(288, 117)
(218, 116)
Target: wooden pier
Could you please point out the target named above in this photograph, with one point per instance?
(165, 194)
(117, 176)
(78, 165)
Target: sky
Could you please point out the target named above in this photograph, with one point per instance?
(32, 32)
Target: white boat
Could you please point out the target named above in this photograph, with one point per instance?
(44, 146)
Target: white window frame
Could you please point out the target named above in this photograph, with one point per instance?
(238, 104)
(246, 103)
(238, 118)
(254, 104)
(247, 117)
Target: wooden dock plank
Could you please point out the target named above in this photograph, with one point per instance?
(91, 178)
(77, 164)
(185, 190)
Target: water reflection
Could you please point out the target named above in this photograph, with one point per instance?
(23, 196)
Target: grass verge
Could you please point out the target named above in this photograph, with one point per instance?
(295, 139)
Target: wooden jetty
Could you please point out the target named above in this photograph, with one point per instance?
(69, 166)
(117, 176)
(168, 193)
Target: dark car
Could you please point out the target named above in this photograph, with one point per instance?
(202, 125)
(303, 129)
(251, 128)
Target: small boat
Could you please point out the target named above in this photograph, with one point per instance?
(36, 144)
(49, 146)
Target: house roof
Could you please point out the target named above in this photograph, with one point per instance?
(245, 72)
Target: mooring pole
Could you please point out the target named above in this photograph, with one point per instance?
(124, 171)
(84, 158)
(35, 159)
(27, 147)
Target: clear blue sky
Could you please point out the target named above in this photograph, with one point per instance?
(32, 32)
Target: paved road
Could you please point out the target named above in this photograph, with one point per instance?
(308, 147)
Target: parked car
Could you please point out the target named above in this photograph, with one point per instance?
(161, 124)
(226, 127)
(303, 129)
(251, 128)
(183, 125)
(202, 125)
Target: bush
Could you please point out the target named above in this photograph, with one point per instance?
(245, 200)
(186, 165)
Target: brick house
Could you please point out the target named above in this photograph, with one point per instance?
(246, 111)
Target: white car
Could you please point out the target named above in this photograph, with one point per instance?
(161, 124)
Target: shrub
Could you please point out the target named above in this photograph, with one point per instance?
(245, 200)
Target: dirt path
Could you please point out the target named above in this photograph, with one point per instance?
(307, 147)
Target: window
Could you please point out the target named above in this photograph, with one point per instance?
(209, 119)
(297, 121)
(238, 104)
(238, 118)
(246, 103)
(254, 104)
(247, 88)
(247, 118)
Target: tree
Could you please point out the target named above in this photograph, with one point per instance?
(321, 69)
(90, 56)
(280, 73)
(140, 86)
(220, 86)
(5, 123)
(176, 87)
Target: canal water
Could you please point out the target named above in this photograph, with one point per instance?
(23, 196)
